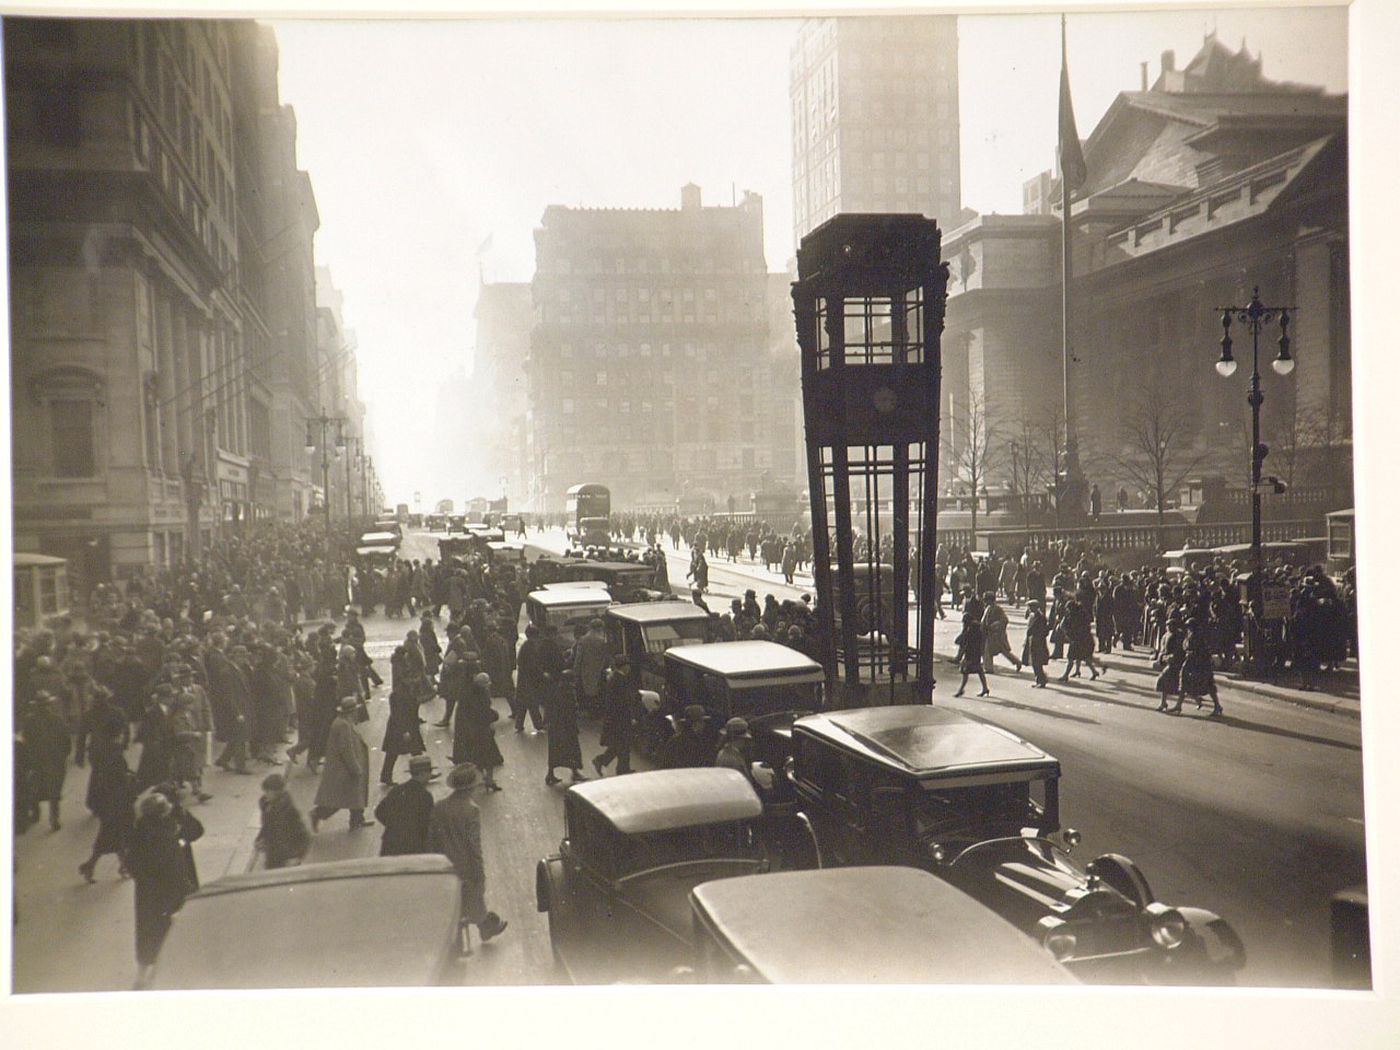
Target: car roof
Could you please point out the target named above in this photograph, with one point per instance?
(751, 659)
(367, 922)
(658, 612)
(868, 925)
(928, 741)
(607, 566)
(594, 597)
(670, 798)
(576, 585)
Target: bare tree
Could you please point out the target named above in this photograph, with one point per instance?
(1306, 430)
(1032, 462)
(974, 447)
(1158, 451)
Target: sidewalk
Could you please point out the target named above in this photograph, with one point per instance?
(1337, 693)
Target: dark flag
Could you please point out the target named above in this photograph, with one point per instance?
(1072, 169)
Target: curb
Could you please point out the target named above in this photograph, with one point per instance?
(1343, 706)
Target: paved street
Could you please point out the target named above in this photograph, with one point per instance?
(1257, 816)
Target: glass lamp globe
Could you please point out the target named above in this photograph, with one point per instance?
(1283, 365)
(1226, 366)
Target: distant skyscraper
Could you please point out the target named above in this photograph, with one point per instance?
(875, 119)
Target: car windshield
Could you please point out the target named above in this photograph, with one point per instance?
(771, 699)
(662, 636)
(990, 809)
(732, 840)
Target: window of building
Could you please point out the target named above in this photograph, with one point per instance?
(73, 438)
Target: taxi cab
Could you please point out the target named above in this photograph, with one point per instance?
(347, 924)
(617, 893)
(563, 607)
(978, 806)
(765, 683)
(866, 925)
(643, 632)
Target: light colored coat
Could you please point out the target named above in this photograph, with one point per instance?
(345, 776)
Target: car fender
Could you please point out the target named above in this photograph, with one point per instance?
(1215, 942)
(1119, 873)
(549, 883)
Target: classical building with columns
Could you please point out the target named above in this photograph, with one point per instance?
(162, 310)
(1210, 182)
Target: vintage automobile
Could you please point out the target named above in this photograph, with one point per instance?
(979, 806)
(627, 581)
(566, 606)
(864, 925)
(511, 524)
(589, 532)
(617, 892)
(435, 522)
(347, 924)
(643, 632)
(765, 683)
(503, 552)
(456, 523)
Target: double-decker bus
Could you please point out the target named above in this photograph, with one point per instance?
(587, 508)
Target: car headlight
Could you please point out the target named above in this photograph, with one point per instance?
(1168, 926)
(937, 853)
(1059, 940)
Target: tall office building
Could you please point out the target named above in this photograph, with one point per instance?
(649, 367)
(875, 119)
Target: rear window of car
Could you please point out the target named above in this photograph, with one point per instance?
(655, 849)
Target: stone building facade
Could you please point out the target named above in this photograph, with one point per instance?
(161, 323)
(650, 367)
(497, 397)
(1211, 182)
(875, 118)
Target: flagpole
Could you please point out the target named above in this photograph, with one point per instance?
(1073, 486)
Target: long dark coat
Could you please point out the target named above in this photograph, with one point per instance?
(619, 713)
(48, 740)
(157, 742)
(970, 646)
(111, 793)
(994, 624)
(401, 733)
(283, 837)
(473, 739)
(1035, 651)
(157, 863)
(561, 716)
(1079, 632)
(1173, 656)
(405, 812)
(345, 776)
(229, 698)
(1197, 678)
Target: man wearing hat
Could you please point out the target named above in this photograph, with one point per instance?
(454, 830)
(345, 775)
(283, 840)
(691, 744)
(590, 664)
(157, 739)
(736, 751)
(619, 715)
(354, 632)
(405, 811)
(1036, 650)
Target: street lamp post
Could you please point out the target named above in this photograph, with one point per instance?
(324, 422)
(1255, 315)
(349, 446)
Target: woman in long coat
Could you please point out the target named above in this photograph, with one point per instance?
(1079, 632)
(970, 645)
(1036, 651)
(157, 864)
(110, 795)
(473, 738)
(994, 625)
(47, 740)
(1173, 656)
(345, 777)
(1197, 678)
(561, 716)
(347, 678)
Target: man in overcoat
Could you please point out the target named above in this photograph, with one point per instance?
(406, 810)
(345, 774)
(454, 830)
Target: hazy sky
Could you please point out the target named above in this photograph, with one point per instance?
(424, 138)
